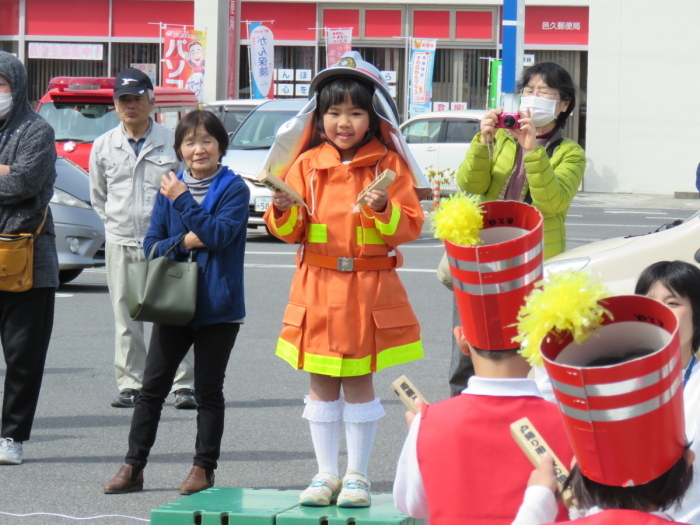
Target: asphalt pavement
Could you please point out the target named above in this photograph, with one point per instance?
(79, 441)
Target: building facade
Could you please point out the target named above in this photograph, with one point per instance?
(631, 58)
(109, 35)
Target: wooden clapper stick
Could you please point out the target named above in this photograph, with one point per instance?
(278, 185)
(534, 446)
(407, 393)
(385, 178)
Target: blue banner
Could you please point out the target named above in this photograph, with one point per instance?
(421, 76)
(262, 60)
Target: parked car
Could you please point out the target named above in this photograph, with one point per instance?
(439, 140)
(233, 112)
(80, 233)
(618, 262)
(249, 145)
(80, 109)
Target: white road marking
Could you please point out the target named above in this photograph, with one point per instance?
(643, 212)
(610, 225)
(271, 253)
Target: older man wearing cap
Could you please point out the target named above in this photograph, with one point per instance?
(126, 166)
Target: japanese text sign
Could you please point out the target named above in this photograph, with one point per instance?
(262, 60)
(183, 59)
(338, 42)
(421, 75)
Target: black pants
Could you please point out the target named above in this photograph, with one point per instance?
(26, 321)
(461, 367)
(169, 344)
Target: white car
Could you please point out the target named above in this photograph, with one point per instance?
(249, 145)
(618, 262)
(439, 140)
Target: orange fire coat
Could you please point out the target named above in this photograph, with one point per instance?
(348, 323)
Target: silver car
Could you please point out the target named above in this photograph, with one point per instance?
(249, 147)
(80, 233)
(233, 112)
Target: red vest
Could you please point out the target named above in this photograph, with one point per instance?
(473, 471)
(624, 517)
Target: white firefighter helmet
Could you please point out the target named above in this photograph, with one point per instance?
(300, 133)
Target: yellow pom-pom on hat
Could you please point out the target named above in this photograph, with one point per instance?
(568, 302)
(459, 219)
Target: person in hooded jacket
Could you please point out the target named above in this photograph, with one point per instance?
(27, 174)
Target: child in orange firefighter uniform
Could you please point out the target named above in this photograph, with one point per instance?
(348, 315)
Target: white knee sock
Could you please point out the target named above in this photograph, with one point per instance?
(360, 427)
(325, 418)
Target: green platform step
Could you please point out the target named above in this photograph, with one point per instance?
(382, 511)
(234, 506)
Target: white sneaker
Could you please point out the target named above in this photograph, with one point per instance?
(355, 491)
(10, 452)
(322, 492)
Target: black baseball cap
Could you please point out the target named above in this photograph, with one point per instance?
(131, 81)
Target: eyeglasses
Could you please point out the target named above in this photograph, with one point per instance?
(541, 93)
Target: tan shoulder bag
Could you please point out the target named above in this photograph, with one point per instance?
(17, 259)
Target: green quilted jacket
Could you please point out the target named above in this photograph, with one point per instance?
(552, 183)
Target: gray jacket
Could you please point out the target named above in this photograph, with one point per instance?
(27, 146)
(123, 188)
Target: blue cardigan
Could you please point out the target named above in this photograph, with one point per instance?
(220, 222)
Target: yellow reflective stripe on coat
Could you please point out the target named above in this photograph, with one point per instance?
(390, 227)
(399, 354)
(368, 236)
(343, 367)
(288, 227)
(337, 366)
(288, 352)
(318, 233)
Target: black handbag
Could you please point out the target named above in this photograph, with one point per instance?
(162, 290)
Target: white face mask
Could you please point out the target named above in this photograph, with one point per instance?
(5, 104)
(542, 110)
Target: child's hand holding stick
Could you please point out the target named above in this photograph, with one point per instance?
(282, 201)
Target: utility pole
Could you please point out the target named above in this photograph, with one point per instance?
(513, 45)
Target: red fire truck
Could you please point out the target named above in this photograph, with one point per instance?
(80, 109)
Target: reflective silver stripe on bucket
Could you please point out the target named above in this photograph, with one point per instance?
(508, 286)
(620, 387)
(496, 266)
(623, 413)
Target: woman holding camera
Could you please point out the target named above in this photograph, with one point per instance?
(203, 210)
(530, 162)
(525, 159)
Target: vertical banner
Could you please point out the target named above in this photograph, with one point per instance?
(262, 60)
(231, 87)
(338, 42)
(183, 59)
(495, 84)
(421, 75)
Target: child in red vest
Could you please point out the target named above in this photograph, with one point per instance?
(459, 463)
(621, 400)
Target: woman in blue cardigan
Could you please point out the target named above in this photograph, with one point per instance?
(203, 210)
